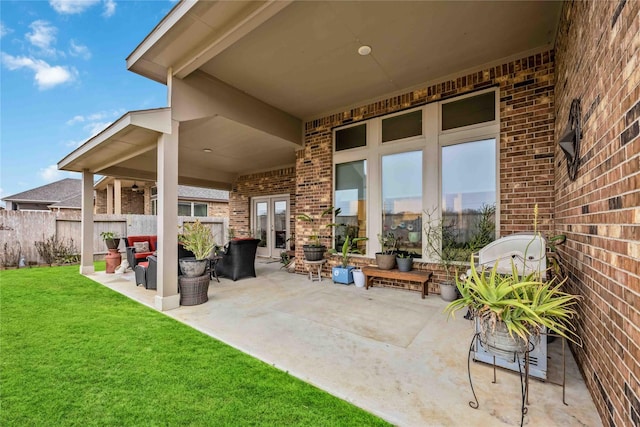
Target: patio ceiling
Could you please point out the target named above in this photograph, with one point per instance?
(301, 57)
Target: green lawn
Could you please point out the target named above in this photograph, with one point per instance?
(76, 353)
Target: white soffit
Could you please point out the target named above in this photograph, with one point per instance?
(131, 135)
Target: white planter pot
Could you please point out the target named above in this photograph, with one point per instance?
(358, 278)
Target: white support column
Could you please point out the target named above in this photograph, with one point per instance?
(109, 199)
(86, 248)
(167, 296)
(117, 197)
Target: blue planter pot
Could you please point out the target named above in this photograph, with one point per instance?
(342, 275)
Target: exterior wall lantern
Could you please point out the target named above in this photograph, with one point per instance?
(570, 140)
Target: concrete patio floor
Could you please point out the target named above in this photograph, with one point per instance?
(385, 350)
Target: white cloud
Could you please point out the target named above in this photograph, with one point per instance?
(96, 127)
(51, 173)
(109, 8)
(94, 117)
(70, 7)
(76, 49)
(46, 76)
(75, 119)
(4, 30)
(43, 35)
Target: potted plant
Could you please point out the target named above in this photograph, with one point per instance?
(442, 247)
(197, 238)
(110, 239)
(512, 309)
(386, 259)
(344, 273)
(404, 261)
(314, 250)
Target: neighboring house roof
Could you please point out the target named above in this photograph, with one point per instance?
(49, 193)
(199, 193)
(73, 202)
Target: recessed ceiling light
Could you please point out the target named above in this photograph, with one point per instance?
(364, 50)
(207, 150)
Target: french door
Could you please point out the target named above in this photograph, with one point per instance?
(270, 223)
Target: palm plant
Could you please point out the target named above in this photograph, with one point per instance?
(525, 304)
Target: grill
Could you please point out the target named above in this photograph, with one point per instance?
(527, 252)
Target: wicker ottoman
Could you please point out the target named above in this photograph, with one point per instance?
(193, 290)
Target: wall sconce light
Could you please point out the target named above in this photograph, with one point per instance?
(134, 187)
(569, 142)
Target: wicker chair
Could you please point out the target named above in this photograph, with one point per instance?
(147, 273)
(239, 259)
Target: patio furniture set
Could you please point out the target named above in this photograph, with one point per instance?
(236, 261)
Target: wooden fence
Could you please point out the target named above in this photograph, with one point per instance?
(19, 230)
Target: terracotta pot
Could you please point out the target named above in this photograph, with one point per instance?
(386, 261)
(113, 259)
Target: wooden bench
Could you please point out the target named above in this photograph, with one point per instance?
(421, 277)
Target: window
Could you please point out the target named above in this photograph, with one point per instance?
(350, 198)
(199, 209)
(402, 126)
(402, 200)
(184, 209)
(469, 194)
(441, 157)
(469, 111)
(351, 137)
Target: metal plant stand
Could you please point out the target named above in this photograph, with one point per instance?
(522, 371)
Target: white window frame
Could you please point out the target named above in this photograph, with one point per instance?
(430, 143)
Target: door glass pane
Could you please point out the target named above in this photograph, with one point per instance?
(261, 223)
(402, 126)
(402, 200)
(469, 111)
(469, 196)
(184, 209)
(351, 199)
(351, 137)
(280, 223)
(199, 209)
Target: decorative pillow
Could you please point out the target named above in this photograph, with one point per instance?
(141, 246)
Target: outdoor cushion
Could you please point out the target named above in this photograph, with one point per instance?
(132, 239)
(153, 241)
(142, 255)
(141, 246)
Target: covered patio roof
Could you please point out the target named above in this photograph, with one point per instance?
(244, 76)
(302, 57)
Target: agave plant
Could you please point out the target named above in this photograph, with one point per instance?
(525, 304)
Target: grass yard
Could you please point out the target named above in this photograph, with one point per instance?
(76, 353)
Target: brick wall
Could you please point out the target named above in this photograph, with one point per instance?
(598, 61)
(131, 202)
(281, 181)
(218, 209)
(526, 143)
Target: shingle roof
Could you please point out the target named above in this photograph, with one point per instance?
(73, 202)
(199, 193)
(49, 193)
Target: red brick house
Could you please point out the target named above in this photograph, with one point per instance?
(387, 109)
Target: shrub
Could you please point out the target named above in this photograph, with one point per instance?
(52, 250)
(10, 255)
